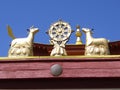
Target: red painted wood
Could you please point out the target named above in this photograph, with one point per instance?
(75, 68)
(77, 73)
(65, 65)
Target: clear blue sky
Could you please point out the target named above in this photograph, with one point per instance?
(102, 15)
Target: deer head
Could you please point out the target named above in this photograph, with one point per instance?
(33, 30)
(85, 30)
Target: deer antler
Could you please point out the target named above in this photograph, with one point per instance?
(32, 27)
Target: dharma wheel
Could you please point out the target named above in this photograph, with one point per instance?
(60, 31)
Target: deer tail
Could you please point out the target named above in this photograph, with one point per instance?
(10, 33)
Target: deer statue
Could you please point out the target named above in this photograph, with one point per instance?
(22, 46)
(95, 46)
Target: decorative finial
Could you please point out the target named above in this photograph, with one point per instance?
(78, 26)
(60, 19)
(78, 35)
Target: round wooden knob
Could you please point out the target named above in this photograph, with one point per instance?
(56, 70)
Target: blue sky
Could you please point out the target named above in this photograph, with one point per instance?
(102, 15)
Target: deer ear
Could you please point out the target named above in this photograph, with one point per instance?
(28, 30)
(92, 30)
